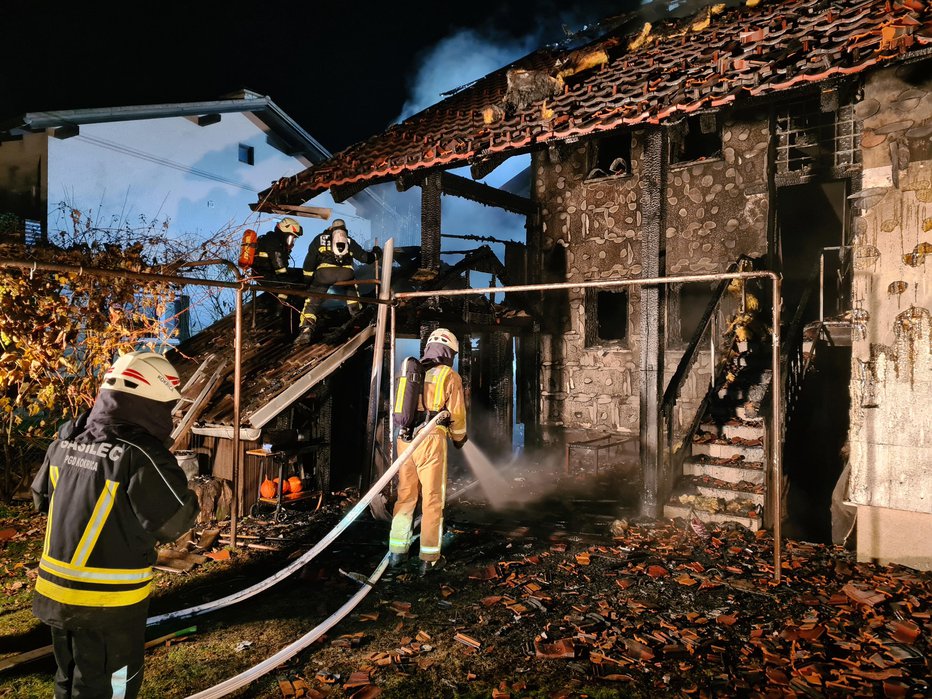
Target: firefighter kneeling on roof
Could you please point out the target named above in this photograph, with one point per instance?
(330, 260)
(426, 470)
(112, 490)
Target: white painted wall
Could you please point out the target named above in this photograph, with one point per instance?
(170, 171)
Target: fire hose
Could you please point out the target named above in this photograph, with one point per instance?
(305, 558)
(288, 652)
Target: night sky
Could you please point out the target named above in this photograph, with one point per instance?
(343, 70)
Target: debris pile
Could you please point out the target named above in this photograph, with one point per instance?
(656, 611)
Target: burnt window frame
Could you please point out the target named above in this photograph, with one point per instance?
(694, 125)
(592, 319)
(596, 155)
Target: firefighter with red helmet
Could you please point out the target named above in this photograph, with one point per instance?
(273, 254)
(112, 491)
(425, 472)
(330, 260)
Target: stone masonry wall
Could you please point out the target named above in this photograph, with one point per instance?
(891, 417)
(716, 210)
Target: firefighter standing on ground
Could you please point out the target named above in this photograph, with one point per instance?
(273, 253)
(426, 470)
(329, 260)
(112, 490)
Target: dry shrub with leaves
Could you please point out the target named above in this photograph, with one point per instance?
(59, 331)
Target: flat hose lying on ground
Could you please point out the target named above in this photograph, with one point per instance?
(298, 563)
(289, 651)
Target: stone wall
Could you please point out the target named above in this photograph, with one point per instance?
(716, 209)
(891, 420)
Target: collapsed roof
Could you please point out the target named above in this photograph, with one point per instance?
(719, 57)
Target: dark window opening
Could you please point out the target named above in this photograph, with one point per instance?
(688, 303)
(612, 156)
(606, 317)
(695, 138)
(247, 154)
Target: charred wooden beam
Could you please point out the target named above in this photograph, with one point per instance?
(66, 131)
(343, 192)
(652, 209)
(485, 166)
(457, 186)
(430, 225)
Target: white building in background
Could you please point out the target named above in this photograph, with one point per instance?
(187, 171)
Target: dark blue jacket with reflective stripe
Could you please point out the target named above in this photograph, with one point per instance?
(109, 501)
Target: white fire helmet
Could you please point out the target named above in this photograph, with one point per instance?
(340, 241)
(145, 374)
(289, 225)
(444, 337)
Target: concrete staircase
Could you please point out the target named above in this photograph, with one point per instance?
(723, 478)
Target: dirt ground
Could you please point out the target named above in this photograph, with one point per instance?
(556, 597)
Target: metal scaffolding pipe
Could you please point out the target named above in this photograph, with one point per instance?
(179, 280)
(776, 418)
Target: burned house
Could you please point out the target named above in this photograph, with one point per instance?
(790, 137)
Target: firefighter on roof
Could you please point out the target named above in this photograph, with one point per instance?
(330, 260)
(112, 491)
(426, 470)
(273, 253)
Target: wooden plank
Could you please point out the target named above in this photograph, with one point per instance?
(180, 433)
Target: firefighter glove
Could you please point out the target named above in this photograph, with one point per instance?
(459, 444)
(377, 251)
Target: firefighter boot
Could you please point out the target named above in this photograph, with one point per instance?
(307, 332)
(396, 559)
(428, 567)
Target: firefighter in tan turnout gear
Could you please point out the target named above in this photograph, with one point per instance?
(426, 470)
(112, 491)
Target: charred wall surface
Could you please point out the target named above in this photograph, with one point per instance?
(890, 436)
(591, 228)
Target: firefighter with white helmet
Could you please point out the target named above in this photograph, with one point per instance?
(330, 260)
(112, 491)
(426, 470)
(273, 254)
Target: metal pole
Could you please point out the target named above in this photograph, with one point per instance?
(237, 384)
(176, 279)
(391, 383)
(776, 443)
(378, 354)
(606, 283)
(822, 286)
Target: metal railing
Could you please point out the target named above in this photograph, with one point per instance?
(677, 445)
(776, 282)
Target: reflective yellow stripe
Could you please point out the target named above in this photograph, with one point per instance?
(327, 264)
(281, 269)
(308, 273)
(262, 254)
(402, 383)
(113, 576)
(95, 525)
(53, 477)
(437, 399)
(91, 598)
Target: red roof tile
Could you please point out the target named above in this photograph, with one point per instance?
(683, 66)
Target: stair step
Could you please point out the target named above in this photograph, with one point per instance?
(730, 494)
(730, 472)
(727, 450)
(671, 511)
(734, 429)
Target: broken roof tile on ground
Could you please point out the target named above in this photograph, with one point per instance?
(666, 613)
